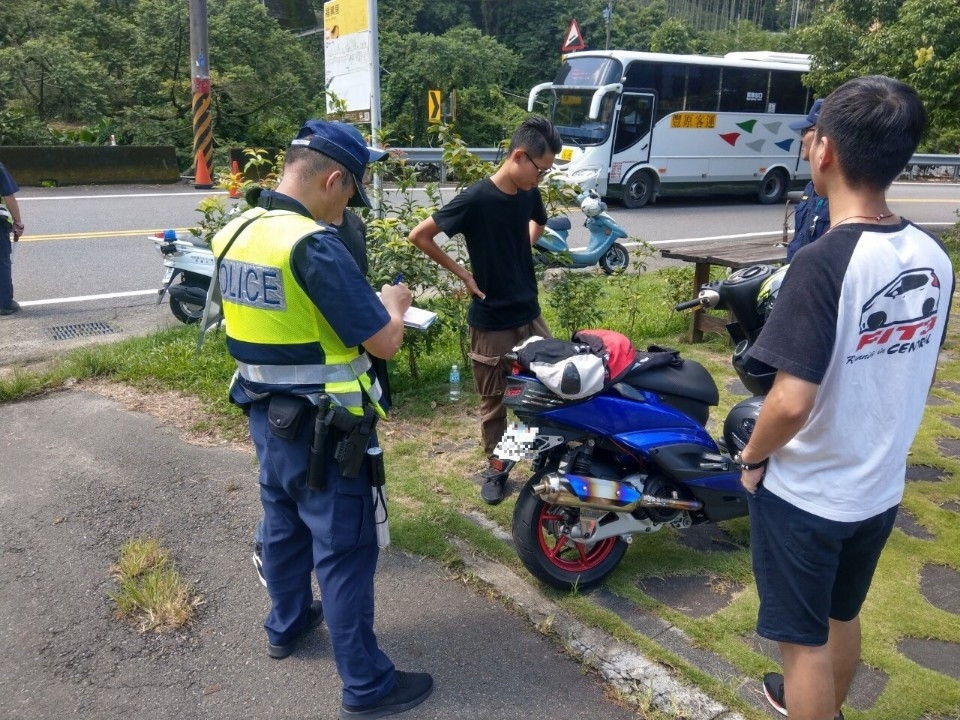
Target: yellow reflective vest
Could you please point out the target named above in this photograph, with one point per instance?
(275, 332)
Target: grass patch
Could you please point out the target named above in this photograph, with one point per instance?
(151, 593)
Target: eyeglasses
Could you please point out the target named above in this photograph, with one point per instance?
(540, 171)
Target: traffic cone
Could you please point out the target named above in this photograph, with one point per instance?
(234, 180)
(202, 180)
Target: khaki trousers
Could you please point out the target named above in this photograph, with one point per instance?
(487, 348)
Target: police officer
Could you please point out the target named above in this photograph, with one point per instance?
(812, 216)
(297, 308)
(352, 232)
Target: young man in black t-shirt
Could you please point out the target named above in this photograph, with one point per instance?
(500, 218)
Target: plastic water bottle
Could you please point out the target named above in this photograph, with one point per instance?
(454, 383)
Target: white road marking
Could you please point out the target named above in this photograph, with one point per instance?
(85, 298)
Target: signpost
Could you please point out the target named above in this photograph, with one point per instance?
(434, 106)
(574, 39)
(348, 62)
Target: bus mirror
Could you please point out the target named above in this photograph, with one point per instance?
(598, 98)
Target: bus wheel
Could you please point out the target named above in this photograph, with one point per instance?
(638, 191)
(773, 187)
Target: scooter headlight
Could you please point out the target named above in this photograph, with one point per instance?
(585, 177)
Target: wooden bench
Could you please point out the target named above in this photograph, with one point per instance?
(731, 253)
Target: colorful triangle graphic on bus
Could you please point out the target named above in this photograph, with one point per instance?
(785, 145)
(756, 145)
(730, 137)
(773, 128)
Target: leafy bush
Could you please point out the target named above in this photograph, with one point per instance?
(951, 241)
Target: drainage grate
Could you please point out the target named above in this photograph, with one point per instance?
(69, 332)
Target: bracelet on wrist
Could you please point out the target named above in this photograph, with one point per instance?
(738, 461)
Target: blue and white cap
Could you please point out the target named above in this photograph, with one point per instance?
(810, 120)
(345, 144)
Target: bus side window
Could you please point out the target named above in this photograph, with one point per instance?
(634, 122)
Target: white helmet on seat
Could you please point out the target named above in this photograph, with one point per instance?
(592, 206)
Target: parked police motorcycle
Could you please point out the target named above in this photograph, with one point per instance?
(636, 456)
(553, 250)
(189, 263)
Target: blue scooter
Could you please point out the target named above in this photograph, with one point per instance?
(636, 456)
(552, 249)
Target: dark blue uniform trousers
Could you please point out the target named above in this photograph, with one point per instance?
(6, 265)
(331, 531)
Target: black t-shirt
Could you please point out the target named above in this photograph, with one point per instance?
(496, 228)
(353, 234)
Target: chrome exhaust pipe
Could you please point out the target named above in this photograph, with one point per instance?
(599, 494)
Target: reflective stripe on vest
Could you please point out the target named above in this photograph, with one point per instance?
(317, 375)
(269, 313)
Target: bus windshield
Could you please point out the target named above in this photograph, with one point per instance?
(570, 116)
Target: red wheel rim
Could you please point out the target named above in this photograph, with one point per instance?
(567, 554)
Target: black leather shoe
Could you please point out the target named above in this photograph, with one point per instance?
(10, 309)
(314, 618)
(410, 689)
(494, 488)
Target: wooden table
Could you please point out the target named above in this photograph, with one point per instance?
(733, 253)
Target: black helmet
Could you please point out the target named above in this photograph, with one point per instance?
(768, 292)
(738, 427)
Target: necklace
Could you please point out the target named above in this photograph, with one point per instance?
(875, 218)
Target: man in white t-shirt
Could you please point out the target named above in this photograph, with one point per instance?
(854, 336)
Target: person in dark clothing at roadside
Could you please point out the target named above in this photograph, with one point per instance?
(11, 225)
(500, 218)
(812, 216)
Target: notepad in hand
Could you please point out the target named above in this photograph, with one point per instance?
(418, 318)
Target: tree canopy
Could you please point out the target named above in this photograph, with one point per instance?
(81, 70)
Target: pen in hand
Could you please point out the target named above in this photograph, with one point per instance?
(399, 279)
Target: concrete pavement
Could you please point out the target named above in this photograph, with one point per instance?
(81, 474)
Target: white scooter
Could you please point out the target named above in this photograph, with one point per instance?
(190, 260)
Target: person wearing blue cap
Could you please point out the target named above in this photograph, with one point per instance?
(301, 324)
(352, 232)
(812, 216)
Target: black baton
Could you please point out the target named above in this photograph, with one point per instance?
(317, 467)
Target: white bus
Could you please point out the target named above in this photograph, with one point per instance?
(653, 124)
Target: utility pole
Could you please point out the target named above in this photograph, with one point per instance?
(200, 76)
(375, 119)
(608, 19)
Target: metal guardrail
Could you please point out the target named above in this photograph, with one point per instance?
(925, 160)
(435, 155)
(937, 160)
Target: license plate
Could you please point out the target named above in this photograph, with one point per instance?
(517, 443)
